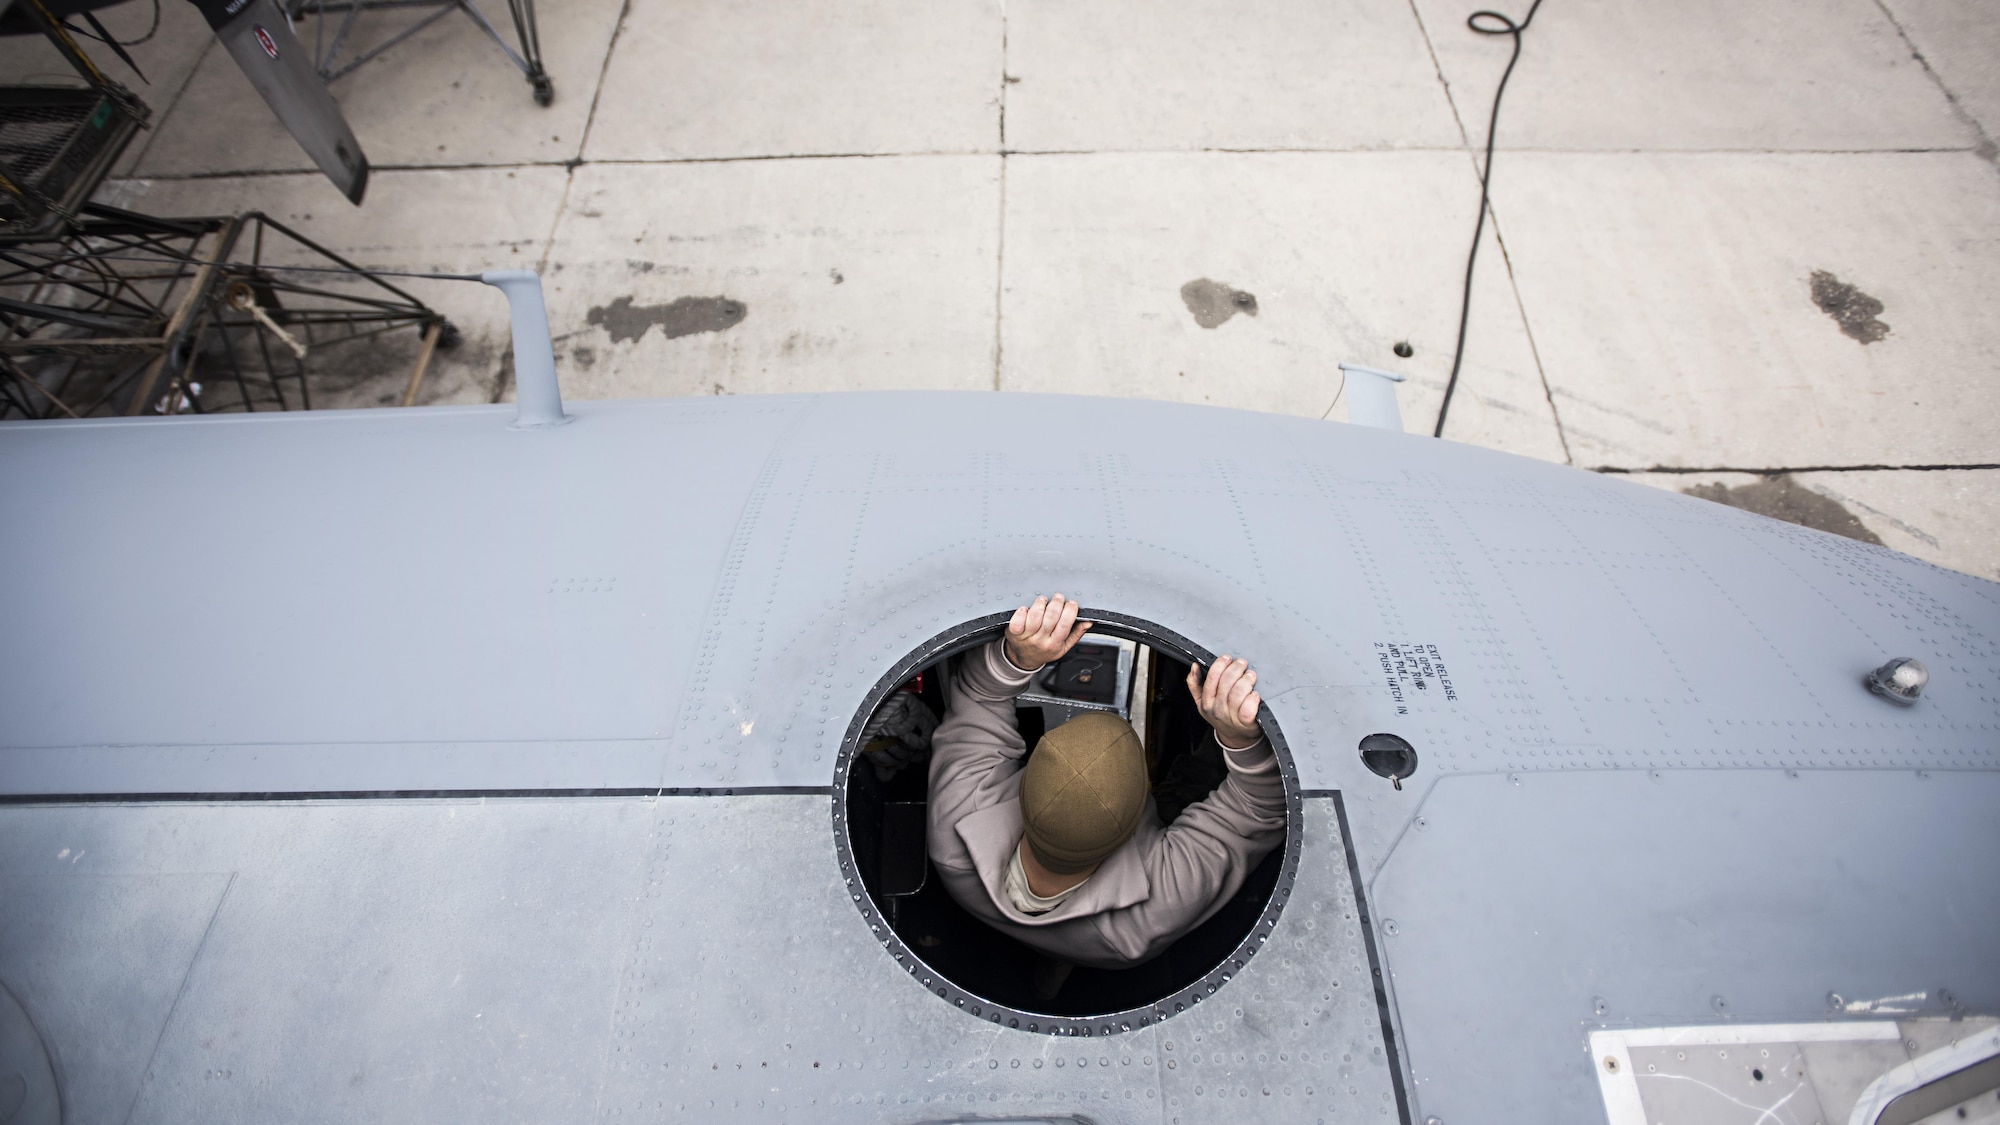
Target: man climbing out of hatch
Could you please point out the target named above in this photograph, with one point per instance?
(1067, 854)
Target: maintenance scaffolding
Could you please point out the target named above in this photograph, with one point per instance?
(108, 312)
(126, 314)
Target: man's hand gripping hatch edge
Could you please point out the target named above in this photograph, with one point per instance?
(1043, 632)
(1226, 695)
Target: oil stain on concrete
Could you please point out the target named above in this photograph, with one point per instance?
(1849, 307)
(1212, 302)
(684, 317)
(1783, 498)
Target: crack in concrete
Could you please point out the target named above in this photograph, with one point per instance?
(1000, 237)
(571, 164)
(1986, 149)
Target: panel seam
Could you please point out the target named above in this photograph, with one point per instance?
(146, 1075)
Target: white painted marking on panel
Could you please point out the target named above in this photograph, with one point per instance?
(1724, 1035)
(1617, 1086)
(1764, 1113)
(1922, 1071)
(1908, 1003)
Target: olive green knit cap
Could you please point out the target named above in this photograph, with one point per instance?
(1083, 791)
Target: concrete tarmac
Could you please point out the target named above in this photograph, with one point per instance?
(1743, 249)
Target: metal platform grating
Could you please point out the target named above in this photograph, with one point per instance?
(56, 143)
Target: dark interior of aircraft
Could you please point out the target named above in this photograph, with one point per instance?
(886, 823)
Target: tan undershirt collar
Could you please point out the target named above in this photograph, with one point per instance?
(1025, 900)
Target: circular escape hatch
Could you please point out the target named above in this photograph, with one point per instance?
(879, 818)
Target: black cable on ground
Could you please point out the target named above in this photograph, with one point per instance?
(106, 37)
(116, 44)
(1494, 24)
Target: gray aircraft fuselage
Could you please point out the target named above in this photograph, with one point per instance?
(406, 766)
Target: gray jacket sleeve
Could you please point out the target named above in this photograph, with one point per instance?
(1164, 882)
(1204, 856)
(976, 751)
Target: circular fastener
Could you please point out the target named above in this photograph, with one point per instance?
(1390, 927)
(1719, 1003)
(1611, 1064)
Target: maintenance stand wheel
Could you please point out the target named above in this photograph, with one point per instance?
(545, 89)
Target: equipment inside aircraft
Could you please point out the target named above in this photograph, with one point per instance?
(886, 790)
